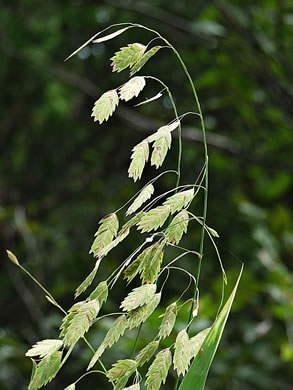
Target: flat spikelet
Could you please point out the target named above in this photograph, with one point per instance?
(120, 237)
(121, 369)
(88, 281)
(44, 348)
(132, 88)
(141, 62)
(168, 321)
(70, 387)
(114, 333)
(162, 129)
(182, 354)
(138, 297)
(146, 353)
(154, 218)
(179, 201)
(147, 264)
(105, 106)
(160, 148)
(100, 293)
(158, 371)
(132, 387)
(196, 341)
(45, 370)
(127, 56)
(139, 156)
(178, 226)
(105, 234)
(139, 315)
(78, 321)
(145, 194)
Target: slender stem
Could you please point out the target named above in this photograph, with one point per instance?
(136, 340)
(64, 311)
(205, 203)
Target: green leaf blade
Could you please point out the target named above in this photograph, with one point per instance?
(195, 378)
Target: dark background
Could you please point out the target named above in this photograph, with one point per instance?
(60, 172)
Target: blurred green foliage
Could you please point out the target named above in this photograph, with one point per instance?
(60, 172)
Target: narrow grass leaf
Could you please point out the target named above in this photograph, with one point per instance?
(157, 96)
(111, 36)
(158, 371)
(105, 106)
(127, 56)
(195, 378)
(144, 195)
(46, 370)
(44, 348)
(140, 63)
(138, 297)
(147, 353)
(139, 156)
(168, 321)
(132, 88)
(182, 354)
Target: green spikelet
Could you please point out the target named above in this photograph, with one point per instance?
(197, 340)
(45, 370)
(127, 56)
(121, 370)
(105, 234)
(146, 353)
(154, 218)
(114, 333)
(179, 201)
(100, 293)
(140, 155)
(138, 297)
(168, 321)
(132, 88)
(178, 226)
(182, 354)
(160, 148)
(137, 316)
(105, 106)
(145, 194)
(158, 371)
(140, 63)
(78, 321)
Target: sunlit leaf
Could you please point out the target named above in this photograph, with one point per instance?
(111, 36)
(197, 374)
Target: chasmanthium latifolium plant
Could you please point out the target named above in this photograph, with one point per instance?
(162, 220)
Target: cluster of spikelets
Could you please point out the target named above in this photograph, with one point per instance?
(142, 301)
